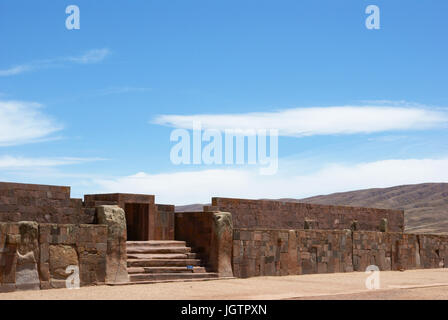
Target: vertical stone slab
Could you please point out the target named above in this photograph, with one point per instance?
(44, 255)
(92, 252)
(222, 241)
(115, 219)
(9, 240)
(27, 276)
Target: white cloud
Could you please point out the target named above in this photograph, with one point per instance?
(23, 122)
(318, 121)
(9, 162)
(200, 186)
(14, 70)
(91, 56)
(394, 103)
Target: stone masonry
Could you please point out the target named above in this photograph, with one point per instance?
(292, 215)
(268, 252)
(35, 256)
(48, 239)
(41, 203)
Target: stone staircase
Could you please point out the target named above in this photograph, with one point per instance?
(164, 261)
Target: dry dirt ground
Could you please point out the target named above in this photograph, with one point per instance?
(411, 284)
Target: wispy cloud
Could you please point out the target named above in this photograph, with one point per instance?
(318, 120)
(124, 89)
(15, 70)
(91, 56)
(198, 186)
(12, 163)
(24, 122)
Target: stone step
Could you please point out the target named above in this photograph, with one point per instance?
(165, 281)
(158, 250)
(132, 270)
(171, 276)
(156, 243)
(162, 256)
(163, 262)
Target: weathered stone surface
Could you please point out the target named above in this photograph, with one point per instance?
(292, 215)
(33, 255)
(322, 251)
(90, 243)
(210, 234)
(115, 220)
(29, 232)
(221, 247)
(27, 277)
(40, 203)
(163, 226)
(371, 248)
(62, 256)
(433, 251)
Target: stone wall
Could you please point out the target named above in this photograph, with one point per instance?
(35, 256)
(41, 203)
(164, 222)
(292, 215)
(371, 248)
(433, 251)
(266, 252)
(263, 252)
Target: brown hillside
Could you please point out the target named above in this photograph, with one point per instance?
(425, 205)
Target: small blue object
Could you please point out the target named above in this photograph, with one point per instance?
(190, 267)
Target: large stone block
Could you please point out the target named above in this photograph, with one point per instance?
(61, 256)
(221, 247)
(114, 218)
(27, 277)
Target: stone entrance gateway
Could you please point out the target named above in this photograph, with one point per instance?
(154, 251)
(145, 220)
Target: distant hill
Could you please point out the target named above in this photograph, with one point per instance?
(425, 205)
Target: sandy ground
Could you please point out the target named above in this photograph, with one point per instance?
(412, 284)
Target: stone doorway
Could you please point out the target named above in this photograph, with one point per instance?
(137, 220)
(145, 220)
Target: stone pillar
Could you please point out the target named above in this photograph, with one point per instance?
(221, 244)
(115, 219)
(27, 276)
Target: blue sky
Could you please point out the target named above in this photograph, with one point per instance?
(83, 107)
